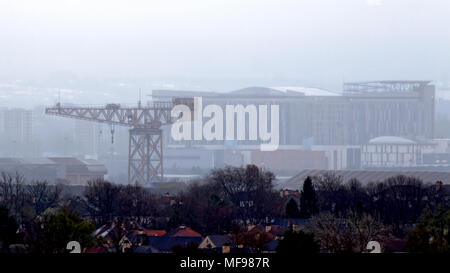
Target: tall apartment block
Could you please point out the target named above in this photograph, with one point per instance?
(17, 131)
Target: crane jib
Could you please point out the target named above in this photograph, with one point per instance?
(145, 158)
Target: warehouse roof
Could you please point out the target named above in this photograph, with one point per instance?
(307, 91)
(390, 140)
(367, 176)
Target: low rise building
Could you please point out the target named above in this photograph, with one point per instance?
(65, 170)
(367, 176)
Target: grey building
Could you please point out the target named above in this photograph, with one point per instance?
(17, 132)
(66, 170)
(311, 116)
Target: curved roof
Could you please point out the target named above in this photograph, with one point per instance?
(257, 91)
(390, 140)
(283, 91)
(307, 91)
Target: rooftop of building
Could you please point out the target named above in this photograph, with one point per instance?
(258, 91)
(367, 176)
(393, 86)
(183, 231)
(384, 86)
(71, 164)
(306, 91)
(391, 140)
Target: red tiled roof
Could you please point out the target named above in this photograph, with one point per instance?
(154, 232)
(183, 231)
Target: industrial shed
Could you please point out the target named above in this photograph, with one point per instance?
(66, 170)
(367, 176)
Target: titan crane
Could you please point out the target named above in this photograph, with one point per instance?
(145, 154)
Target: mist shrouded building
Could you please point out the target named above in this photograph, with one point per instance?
(17, 132)
(310, 116)
(337, 123)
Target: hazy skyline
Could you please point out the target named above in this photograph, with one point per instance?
(317, 43)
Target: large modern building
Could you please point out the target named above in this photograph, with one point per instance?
(336, 123)
(361, 112)
(389, 151)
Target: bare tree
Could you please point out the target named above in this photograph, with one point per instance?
(250, 189)
(331, 192)
(136, 203)
(398, 201)
(367, 228)
(102, 199)
(347, 234)
(13, 194)
(43, 195)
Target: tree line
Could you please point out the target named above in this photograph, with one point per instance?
(341, 216)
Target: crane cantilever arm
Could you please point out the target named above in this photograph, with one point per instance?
(154, 116)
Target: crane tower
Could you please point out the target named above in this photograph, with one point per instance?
(145, 154)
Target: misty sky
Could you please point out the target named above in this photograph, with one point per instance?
(316, 41)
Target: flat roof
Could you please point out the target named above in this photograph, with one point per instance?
(366, 176)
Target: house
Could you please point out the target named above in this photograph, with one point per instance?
(166, 244)
(275, 230)
(288, 194)
(117, 231)
(286, 223)
(139, 237)
(217, 244)
(144, 249)
(159, 241)
(154, 232)
(183, 231)
(270, 247)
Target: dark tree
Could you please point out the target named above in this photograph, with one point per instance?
(8, 230)
(203, 207)
(136, 203)
(431, 234)
(177, 216)
(358, 201)
(43, 196)
(13, 196)
(190, 248)
(330, 193)
(298, 242)
(398, 200)
(116, 234)
(102, 200)
(292, 210)
(51, 233)
(250, 190)
(308, 199)
(349, 234)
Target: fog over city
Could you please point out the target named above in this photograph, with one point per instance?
(118, 52)
(225, 126)
(95, 51)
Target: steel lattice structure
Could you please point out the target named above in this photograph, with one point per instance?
(145, 158)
